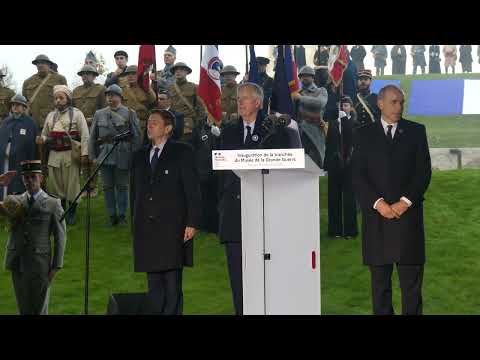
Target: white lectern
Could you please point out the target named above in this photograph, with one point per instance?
(281, 240)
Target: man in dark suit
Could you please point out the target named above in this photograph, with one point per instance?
(391, 172)
(342, 210)
(165, 103)
(247, 132)
(166, 199)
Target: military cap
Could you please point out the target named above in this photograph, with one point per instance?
(346, 99)
(180, 65)
(87, 69)
(306, 70)
(365, 73)
(263, 60)
(165, 92)
(171, 50)
(229, 69)
(114, 89)
(120, 53)
(132, 69)
(31, 166)
(19, 99)
(42, 58)
(91, 56)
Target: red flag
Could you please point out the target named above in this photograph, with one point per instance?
(337, 62)
(209, 88)
(146, 63)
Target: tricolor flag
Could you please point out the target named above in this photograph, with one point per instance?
(209, 88)
(337, 62)
(281, 100)
(146, 63)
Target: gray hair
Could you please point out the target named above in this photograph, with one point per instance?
(381, 93)
(257, 90)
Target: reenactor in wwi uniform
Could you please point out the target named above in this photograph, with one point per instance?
(38, 89)
(5, 95)
(185, 99)
(135, 97)
(34, 217)
(166, 77)
(366, 102)
(88, 98)
(229, 94)
(116, 77)
(63, 127)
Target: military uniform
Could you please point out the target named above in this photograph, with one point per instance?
(229, 96)
(29, 253)
(380, 54)
(191, 107)
(266, 82)
(5, 95)
(418, 55)
(135, 98)
(89, 99)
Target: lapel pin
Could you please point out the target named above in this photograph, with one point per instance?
(204, 137)
(166, 172)
(400, 131)
(255, 137)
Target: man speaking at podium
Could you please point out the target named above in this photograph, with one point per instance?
(250, 131)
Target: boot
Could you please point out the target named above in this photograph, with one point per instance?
(122, 221)
(112, 221)
(70, 218)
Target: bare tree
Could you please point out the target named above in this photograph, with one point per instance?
(7, 80)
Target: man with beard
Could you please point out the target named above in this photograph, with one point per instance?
(310, 105)
(399, 59)
(38, 89)
(63, 126)
(89, 98)
(434, 59)
(366, 102)
(166, 77)
(116, 77)
(185, 99)
(5, 95)
(17, 143)
(108, 122)
(137, 99)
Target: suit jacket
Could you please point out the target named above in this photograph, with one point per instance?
(165, 203)
(30, 239)
(230, 224)
(392, 171)
(334, 161)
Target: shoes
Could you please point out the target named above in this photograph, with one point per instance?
(122, 221)
(112, 221)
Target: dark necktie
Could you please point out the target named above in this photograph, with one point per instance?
(31, 200)
(248, 138)
(389, 134)
(154, 161)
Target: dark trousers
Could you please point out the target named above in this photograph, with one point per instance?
(234, 261)
(165, 296)
(342, 207)
(411, 278)
(209, 191)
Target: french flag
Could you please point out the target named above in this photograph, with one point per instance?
(209, 88)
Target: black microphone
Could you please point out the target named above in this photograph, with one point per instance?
(126, 135)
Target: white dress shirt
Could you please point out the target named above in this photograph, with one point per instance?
(160, 147)
(394, 128)
(245, 131)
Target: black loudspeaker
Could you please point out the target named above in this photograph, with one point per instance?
(128, 304)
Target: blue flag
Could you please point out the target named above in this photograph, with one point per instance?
(281, 100)
(253, 72)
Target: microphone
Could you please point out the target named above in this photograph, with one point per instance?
(126, 135)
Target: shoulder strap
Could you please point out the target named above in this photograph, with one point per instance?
(185, 101)
(40, 87)
(364, 104)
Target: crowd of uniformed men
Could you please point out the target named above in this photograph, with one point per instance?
(70, 131)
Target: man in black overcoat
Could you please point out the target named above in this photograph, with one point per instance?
(247, 132)
(166, 195)
(391, 172)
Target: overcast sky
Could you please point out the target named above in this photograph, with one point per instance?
(70, 58)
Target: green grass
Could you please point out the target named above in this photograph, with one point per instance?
(443, 131)
(450, 282)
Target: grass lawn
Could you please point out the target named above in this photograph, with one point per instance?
(443, 131)
(450, 282)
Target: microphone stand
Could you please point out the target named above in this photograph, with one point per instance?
(86, 188)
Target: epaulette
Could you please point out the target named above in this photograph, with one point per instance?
(53, 196)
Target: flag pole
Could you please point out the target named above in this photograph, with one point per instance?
(246, 59)
(201, 54)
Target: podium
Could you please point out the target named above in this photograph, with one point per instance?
(281, 240)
